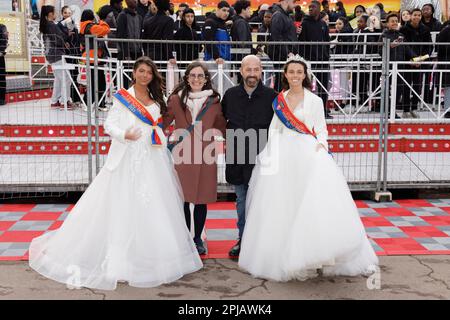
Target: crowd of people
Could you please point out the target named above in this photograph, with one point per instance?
(283, 21)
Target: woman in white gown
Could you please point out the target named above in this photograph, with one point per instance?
(129, 224)
(300, 213)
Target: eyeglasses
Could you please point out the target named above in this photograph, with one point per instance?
(196, 76)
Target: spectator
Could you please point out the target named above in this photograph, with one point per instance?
(4, 37)
(172, 13)
(416, 31)
(381, 11)
(143, 7)
(298, 15)
(215, 29)
(374, 24)
(326, 7)
(357, 12)
(181, 8)
(314, 29)
(282, 29)
(343, 26)
(129, 26)
(67, 25)
(100, 29)
(55, 43)
(160, 27)
(325, 18)
(405, 17)
(241, 31)
(265, 28)
(341, 48)
(360, 78)
(428, 18)
(339, 11)
(187, 32)
(109, 13)
(444, 55)
(258, 15)
(398, 52)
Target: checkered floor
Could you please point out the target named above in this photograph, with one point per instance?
(397, 228)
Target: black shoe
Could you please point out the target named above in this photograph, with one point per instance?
(200, 247)
(2, 102)
(328, 116)
(234, 252)
(447, 115)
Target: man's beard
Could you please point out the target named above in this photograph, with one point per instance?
(250, 84)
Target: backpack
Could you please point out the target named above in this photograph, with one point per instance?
(101, 44)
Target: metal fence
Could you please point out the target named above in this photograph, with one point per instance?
(62, 149)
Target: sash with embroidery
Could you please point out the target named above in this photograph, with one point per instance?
(281, 109)
(141, 112)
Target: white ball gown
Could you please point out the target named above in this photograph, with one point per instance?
(300, 213)
(128, 226)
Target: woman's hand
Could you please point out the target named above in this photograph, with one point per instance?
(133, 134)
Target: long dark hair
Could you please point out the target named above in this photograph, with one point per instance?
(340, 6)
(156, 86)
(45, 11)
(184, 86)
(306, 82)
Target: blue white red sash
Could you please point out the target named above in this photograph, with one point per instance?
(281, 109)
(141, 112)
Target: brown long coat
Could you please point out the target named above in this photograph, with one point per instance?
(198, 179)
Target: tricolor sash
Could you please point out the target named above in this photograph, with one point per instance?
(141, 112)
(281, 109)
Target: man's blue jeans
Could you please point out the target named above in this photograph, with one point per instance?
(241, 197)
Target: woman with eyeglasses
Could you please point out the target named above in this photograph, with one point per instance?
(195, 109)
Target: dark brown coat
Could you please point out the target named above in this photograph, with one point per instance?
(198, 179)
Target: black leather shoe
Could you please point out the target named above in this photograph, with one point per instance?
(234, 252)
(200, 247)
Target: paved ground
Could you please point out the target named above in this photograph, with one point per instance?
(401, 277)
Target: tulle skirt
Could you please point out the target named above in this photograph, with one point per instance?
(301, 216)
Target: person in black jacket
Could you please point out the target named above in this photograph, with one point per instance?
(444, 55)
(67, 25)
(248, 110)
(314, 29)
(428, 18)
(143, 6)
(216, 29)
(110, 12)
(4, 36)
(187, 32)
(341, 49)
(264, 31)
(160, 27)
(55, 42)
(343, 26)
(398, 52)
(282, 29)
(361, 78)
(129, 26)
(416, 31)
(179, 22)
